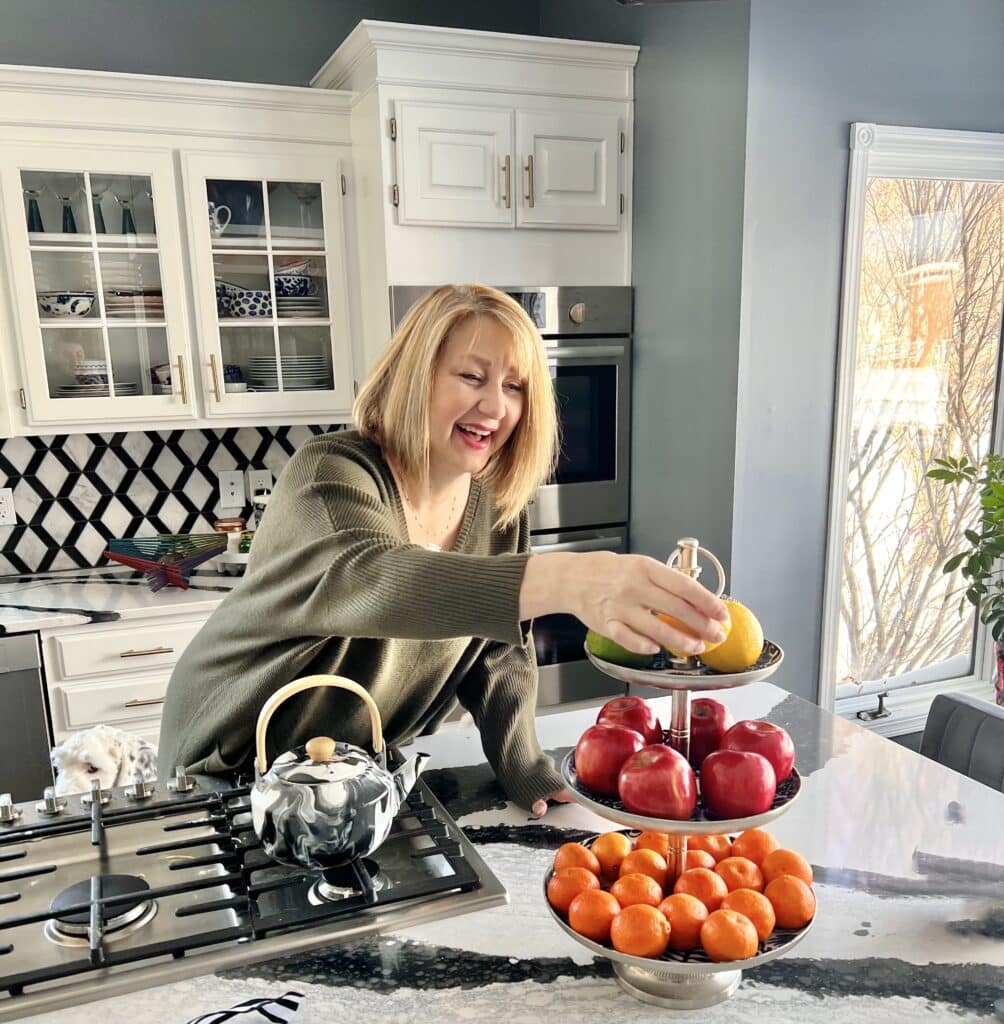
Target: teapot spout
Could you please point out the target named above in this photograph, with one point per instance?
(407, 775)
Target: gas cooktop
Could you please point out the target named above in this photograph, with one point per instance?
(135, 887)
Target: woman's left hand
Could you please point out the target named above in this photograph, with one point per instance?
(561, 796)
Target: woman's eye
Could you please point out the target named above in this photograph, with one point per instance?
(471, 376)
(91, 770)
(515, 387)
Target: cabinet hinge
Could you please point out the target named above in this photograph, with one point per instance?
(355, 389)
(395, 195)
(393, 129)
(345, 187)
(623, 142)
(21, 398)
(622, 202)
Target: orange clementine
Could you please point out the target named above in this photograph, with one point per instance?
(610, 849)
(646, 862)
(640, 931)
(718, 846)
(688, 632)
(786, 862)
(637, 888)
(657, 841)
(703, 883)
(699, 859)
(754, 844)
(740, 873)
(753, 905)
(685, 914)
(592, 912)
(793, 901)
(728, 935)
(575, 855)
(564, 885)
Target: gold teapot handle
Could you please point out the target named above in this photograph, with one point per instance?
(283, 694)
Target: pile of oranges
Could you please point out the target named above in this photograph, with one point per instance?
(729, 899)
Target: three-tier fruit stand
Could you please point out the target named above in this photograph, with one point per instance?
(683, 981)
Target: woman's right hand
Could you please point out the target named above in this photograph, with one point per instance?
(616, 595)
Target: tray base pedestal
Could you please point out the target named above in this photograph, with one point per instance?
(674, 991)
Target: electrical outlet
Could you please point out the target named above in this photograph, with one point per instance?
(231, 489)
(7, 514)
(258, 480)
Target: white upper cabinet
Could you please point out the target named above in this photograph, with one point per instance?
(268, 259)
(454, 164)
(97, 284)
(568, 169)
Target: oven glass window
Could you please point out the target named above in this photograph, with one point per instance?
(587, 407)
(558, 639)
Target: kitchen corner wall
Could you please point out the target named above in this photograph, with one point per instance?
(73, 493)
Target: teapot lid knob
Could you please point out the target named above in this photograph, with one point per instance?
(320, 749)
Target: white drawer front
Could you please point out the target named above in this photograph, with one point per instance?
(123, 650)
(112, 703)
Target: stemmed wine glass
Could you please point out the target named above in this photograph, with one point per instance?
(34, 214)
(69, 222)
(128, 224)
(305, 194)
(97, 194)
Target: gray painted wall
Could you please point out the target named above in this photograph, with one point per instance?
(814, 67)
(690, 111)
(274, 41)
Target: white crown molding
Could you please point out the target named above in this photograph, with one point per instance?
(377, 38)
(895, 150)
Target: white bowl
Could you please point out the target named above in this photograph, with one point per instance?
(65, 303)
(233, 387)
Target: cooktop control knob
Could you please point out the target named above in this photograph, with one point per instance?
(140, 788)
(97, 793)
(8, 812)
(50, 804)
(577, 313)
(181, 783)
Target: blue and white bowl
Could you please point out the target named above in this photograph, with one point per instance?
(65, 303)
(251, 302)
(291, 285)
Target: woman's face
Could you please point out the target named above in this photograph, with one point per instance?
(477, 396)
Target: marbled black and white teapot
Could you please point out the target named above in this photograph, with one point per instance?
(326, 803)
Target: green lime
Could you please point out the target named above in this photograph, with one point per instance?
(606, 650)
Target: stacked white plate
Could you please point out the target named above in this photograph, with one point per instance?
(299, 373)
(96, 390)
(301, 305)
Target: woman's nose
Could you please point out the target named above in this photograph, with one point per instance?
(493, 403)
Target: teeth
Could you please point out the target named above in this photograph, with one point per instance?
(471, 430)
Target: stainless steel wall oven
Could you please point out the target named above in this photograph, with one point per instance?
(585, 506)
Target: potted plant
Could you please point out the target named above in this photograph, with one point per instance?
(978, 563)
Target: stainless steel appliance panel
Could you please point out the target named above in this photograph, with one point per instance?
(24, 753)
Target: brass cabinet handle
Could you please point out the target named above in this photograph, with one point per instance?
(180, 364)
(216, 376)
(529, 179)
(506, 170)
(150, 650)
(143, 703)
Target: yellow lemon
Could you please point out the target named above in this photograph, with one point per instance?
(676, 624)
(606, 650)
(742, 646)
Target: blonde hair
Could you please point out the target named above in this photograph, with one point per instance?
(392, 407)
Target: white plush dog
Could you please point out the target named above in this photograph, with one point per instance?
(111, 755)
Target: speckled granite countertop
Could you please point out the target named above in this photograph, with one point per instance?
(79, 596)
(895, 939)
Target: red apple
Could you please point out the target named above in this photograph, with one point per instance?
(737, 784)
(659, 783)
(765, 738)
(600, 753)
(635, 713)
(710, 720)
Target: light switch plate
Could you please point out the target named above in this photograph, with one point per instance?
(231, 489)
(7, 515)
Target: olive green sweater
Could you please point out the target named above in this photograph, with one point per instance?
(333, 585)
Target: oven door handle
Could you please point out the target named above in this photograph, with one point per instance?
(589, 544)
(584, 352)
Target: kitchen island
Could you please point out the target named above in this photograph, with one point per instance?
(909, 864)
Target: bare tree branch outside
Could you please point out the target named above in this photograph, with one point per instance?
(926, 383)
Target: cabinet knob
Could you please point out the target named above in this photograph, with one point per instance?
(577, 314)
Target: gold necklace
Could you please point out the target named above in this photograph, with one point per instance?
(432, 545)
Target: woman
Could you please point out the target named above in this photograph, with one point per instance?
(398, 555)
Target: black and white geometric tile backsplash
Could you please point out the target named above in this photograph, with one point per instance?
(73, 493)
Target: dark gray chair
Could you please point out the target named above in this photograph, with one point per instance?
(966, 734)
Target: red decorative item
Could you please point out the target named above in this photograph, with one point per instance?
(167, 559)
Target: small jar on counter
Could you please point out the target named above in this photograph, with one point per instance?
(245, 542)
(234, 529)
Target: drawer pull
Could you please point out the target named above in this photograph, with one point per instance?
(143, 703)
(150, 650)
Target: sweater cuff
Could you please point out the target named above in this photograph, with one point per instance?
(538, 781)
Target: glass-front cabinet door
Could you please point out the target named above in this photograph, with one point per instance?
(98, 284)
(268, 257)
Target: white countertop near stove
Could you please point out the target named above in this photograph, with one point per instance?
(80, 596)
(889, 944)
